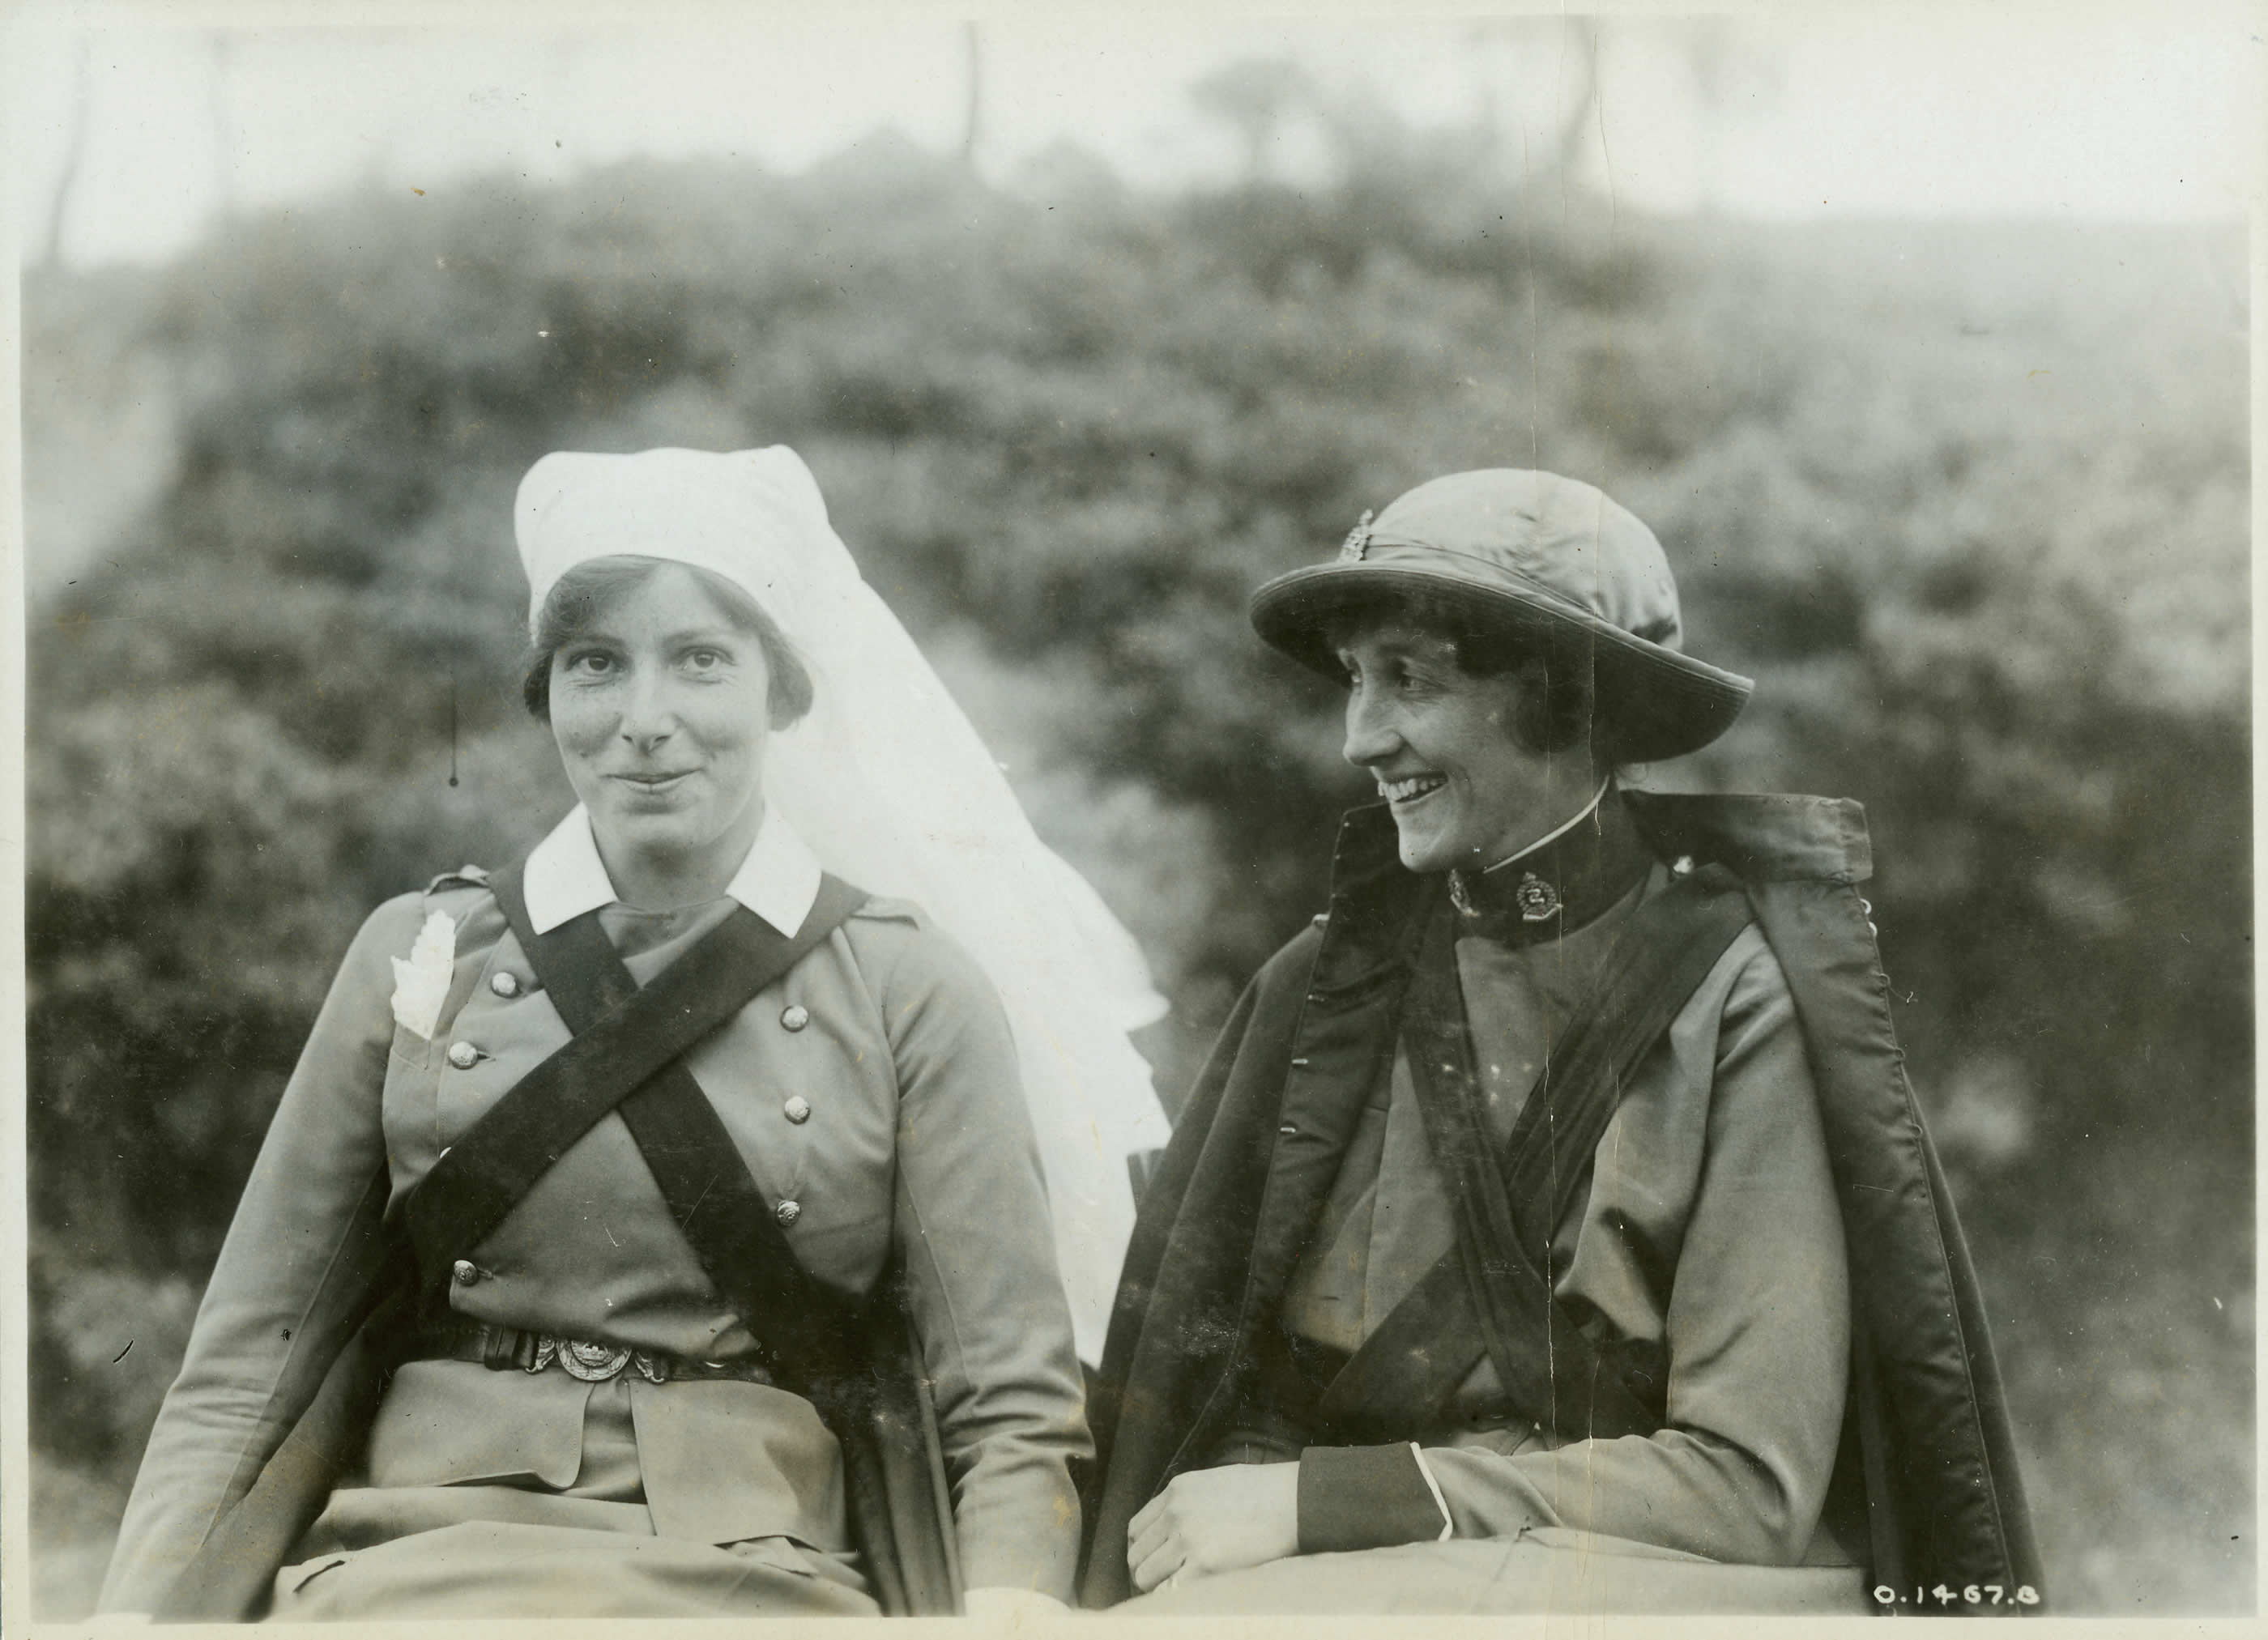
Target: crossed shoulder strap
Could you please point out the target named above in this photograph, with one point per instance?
(853, 1358)
(856, 1361)
(627, 1054)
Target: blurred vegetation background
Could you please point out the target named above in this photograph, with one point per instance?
(1971, 501)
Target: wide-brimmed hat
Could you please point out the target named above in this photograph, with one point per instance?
(1548, 560)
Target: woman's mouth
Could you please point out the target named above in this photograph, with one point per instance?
(655, 786)
(1410, 788)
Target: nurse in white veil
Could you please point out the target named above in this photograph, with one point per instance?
(891, 787)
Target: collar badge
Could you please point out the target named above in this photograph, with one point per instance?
(1536, 899)
(1358, 540)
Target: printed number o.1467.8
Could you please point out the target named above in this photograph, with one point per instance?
(1974, 1595)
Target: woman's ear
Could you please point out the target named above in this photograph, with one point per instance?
(535, 687)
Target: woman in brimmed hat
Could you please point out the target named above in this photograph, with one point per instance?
(1498, 1262)
(713, 1218)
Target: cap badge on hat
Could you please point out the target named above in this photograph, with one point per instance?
(1358, 540)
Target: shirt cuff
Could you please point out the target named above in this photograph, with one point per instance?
(1449, 1522)
(1363, 1498)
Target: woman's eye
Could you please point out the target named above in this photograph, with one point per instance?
(592, 664)
(705, 659)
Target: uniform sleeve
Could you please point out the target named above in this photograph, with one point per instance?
(975, 1235)
(1757, 1331)
(300, 1254)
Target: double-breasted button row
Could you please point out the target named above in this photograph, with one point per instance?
(787, 1212)
(464, 1056)
(464, 1272)
(797, 1108)
(505, 983)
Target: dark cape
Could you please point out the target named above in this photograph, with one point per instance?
(1234, 1201)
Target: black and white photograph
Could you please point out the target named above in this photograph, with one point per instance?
(1076, 815)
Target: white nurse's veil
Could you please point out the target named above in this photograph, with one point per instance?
(891, 788)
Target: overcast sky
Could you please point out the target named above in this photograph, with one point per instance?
(1884, 110)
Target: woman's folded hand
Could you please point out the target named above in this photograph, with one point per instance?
(1212, 1520)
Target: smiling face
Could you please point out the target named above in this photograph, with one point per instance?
(662, 709)
(1441, 743)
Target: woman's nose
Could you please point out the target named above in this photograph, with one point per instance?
(647, 718)
(1370, 737)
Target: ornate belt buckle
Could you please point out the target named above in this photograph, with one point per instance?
(592, 1362)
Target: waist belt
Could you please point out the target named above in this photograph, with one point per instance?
(498, 1347)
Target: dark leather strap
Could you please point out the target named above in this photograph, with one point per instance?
(1491, 1294)
(860, 1365)
(692, 1156)
(626, 1038)
(854, 1360)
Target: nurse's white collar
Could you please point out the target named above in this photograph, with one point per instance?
(779, 881)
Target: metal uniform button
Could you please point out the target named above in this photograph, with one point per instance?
(787, 1212)
(465, 1272)
(504, 983)
(797, 1109)
(795, 1016)
(464, 1056)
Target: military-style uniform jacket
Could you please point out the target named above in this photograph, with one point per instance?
(874, 1095)
(1764, 1232)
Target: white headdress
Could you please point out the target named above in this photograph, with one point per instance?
(890, 786)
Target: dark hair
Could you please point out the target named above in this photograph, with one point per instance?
(578, 598)
(1556, 700)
